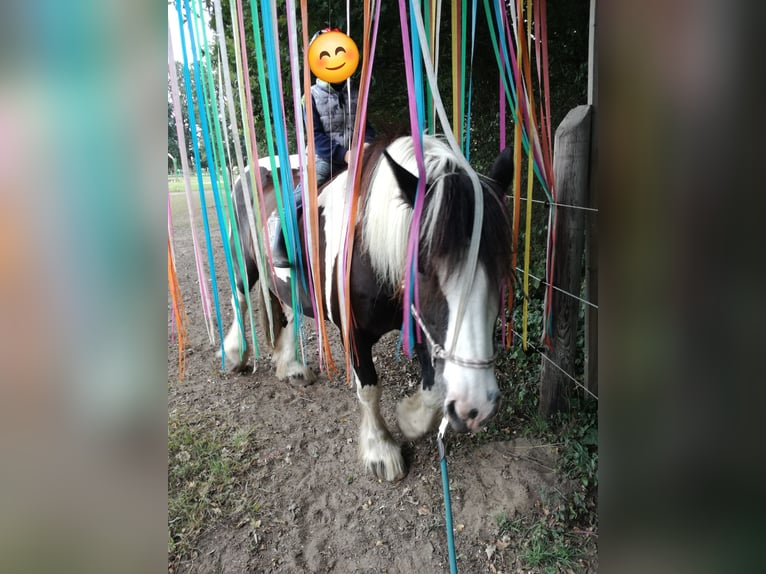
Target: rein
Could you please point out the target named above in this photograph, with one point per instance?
(447, 501)
(438, 352)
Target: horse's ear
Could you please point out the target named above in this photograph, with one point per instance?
(502, 169)
(408, 183)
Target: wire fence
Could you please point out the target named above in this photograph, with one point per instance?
(593, 305)
(552, 362)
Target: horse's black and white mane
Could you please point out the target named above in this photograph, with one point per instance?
(447, 218)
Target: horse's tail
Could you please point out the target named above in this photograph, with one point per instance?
(272, 330)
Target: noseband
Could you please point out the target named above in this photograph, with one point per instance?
(438, 352)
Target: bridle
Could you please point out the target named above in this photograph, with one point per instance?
(438, 352)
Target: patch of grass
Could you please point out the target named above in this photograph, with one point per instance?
(176, 183)
(549, 550)
(204, 465)
(507, 526)
(536, 426)
(542, 544)
(578, 462)
(240, 438)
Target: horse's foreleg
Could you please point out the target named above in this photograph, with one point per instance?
(284, 359)
(419, 413)
(379, 452)
(236, 357)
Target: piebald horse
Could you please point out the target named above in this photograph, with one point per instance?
(457, 379)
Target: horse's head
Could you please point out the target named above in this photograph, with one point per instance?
(462, 348)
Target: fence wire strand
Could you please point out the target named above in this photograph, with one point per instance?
(591, 209)
(560, 290)
(544, 356)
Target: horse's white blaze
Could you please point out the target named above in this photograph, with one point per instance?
(418, 413)
(470, 388)
(285, 363)
(231, 343)
(379, 452)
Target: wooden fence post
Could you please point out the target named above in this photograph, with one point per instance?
(571, 163)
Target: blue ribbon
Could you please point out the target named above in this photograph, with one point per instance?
(198, 168)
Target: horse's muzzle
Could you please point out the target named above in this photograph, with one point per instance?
(472, 420)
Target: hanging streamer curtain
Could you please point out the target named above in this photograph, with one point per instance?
(518, 33)
(212, 110)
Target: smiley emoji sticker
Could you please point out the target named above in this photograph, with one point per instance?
(333, 56)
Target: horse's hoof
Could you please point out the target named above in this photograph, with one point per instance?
(386, 462)
(295, 373)
(239, 369)
(243, 368)
(232, 365)
(414, 418)
(301, 380)
(392, 473)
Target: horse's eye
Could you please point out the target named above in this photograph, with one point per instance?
(339, 49)
(324, 54)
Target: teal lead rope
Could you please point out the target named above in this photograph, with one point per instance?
(447, 502)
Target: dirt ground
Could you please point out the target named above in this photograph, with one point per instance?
(307, 504)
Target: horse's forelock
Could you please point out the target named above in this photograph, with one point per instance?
(448, 227)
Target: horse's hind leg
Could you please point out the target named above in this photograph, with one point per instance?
(380, 454)
(236, 357)
(284, 359)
